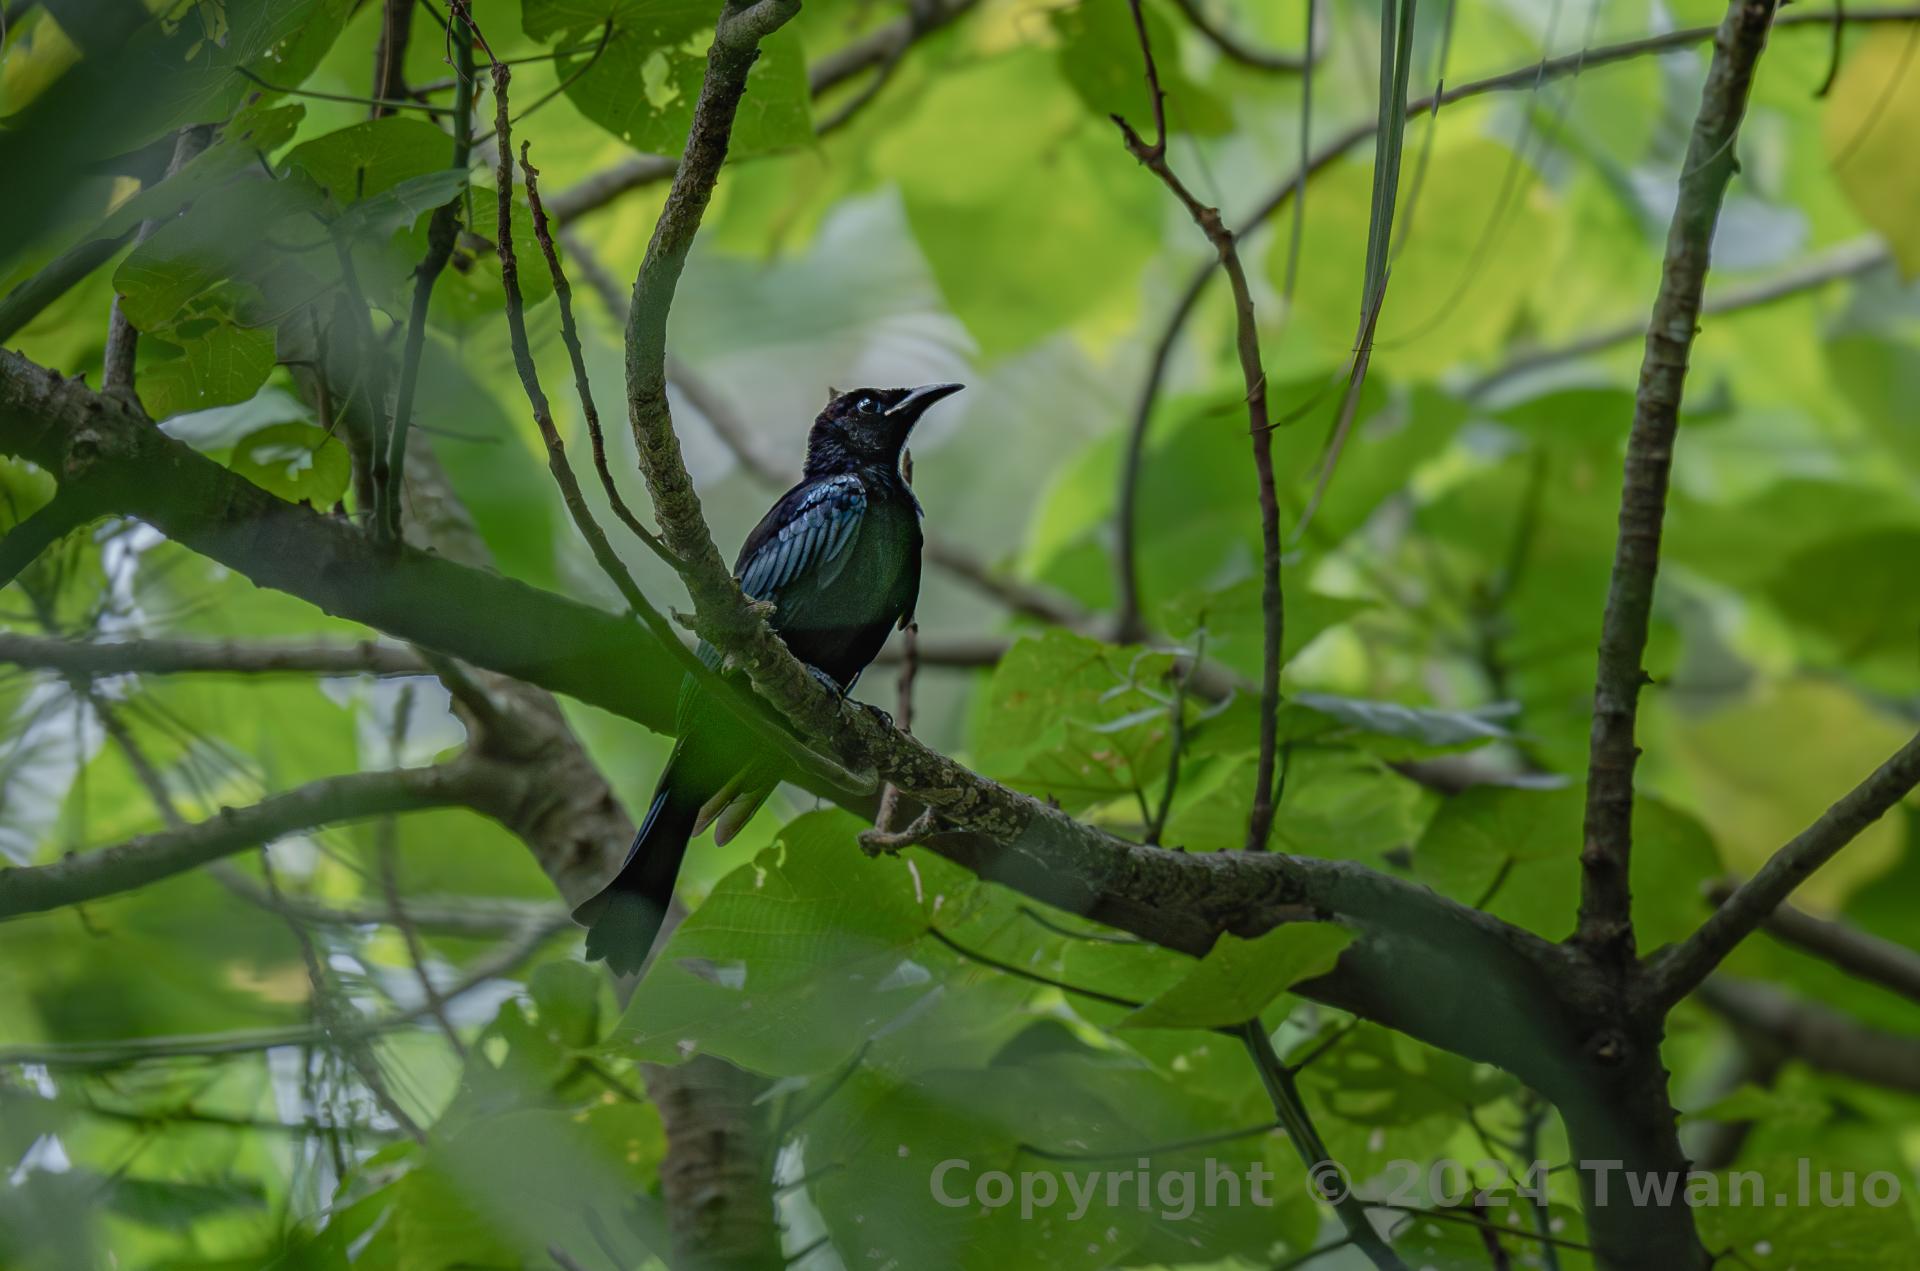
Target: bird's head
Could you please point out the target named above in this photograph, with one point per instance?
(869, 425)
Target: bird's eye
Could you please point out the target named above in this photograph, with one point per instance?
(866, 406)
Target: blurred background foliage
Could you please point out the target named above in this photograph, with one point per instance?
(168, 1095)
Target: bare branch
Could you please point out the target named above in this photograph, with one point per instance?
(1677, 971)
(1606, 917)
(1859, 953)
(570, 336)
(390, 54)
(1815, 1034)
(171, 657)
(603, 554)
(150, 858)
(504, 960)
(1247, 344)
(68, 510)
(1835, 264)
(1284, 1093)
(442, 229)
(1237, 50)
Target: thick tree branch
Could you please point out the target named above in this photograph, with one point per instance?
(1677, 971)
(1815, 1034)
(1859, 953)
(108, 449)
(1606, 918)
(109, 871)
(1396, 975)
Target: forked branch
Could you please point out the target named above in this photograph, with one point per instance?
(1247, 344)
(1606, 920)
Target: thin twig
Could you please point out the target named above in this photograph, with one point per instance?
(350, 1044)
(1238, 50)
(1678, 970)
(1176, 738)
(168, 657)
(442, 230)
(1032, 977)
(1292, 1110)
(1314, 162)
(608, 560)
(1247, 344)
(1606, 918)
(1859, 953)
(570, 336)
(116, 374)
(388, 851)
(390, 56)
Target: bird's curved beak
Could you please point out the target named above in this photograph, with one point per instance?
(915, 403)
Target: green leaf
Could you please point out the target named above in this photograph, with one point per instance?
(1100, 57)
(1755, 1103)
(796, 959)
(1071, 717)
(1080, 249)
(202, 363)
(567, 995)
(1449, 300)
(1788, 1227)
(178, 1205)
(634, 67)
(1426, 729)
(400, 205)
(298, 462)
(365, 159)
(1872, 111)
(229, 250)
(1238, 978)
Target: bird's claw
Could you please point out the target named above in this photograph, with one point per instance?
(886, 720)
(827, 682)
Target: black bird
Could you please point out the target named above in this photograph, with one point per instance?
(839, 559)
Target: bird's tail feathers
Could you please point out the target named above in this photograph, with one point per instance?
(625, 916)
